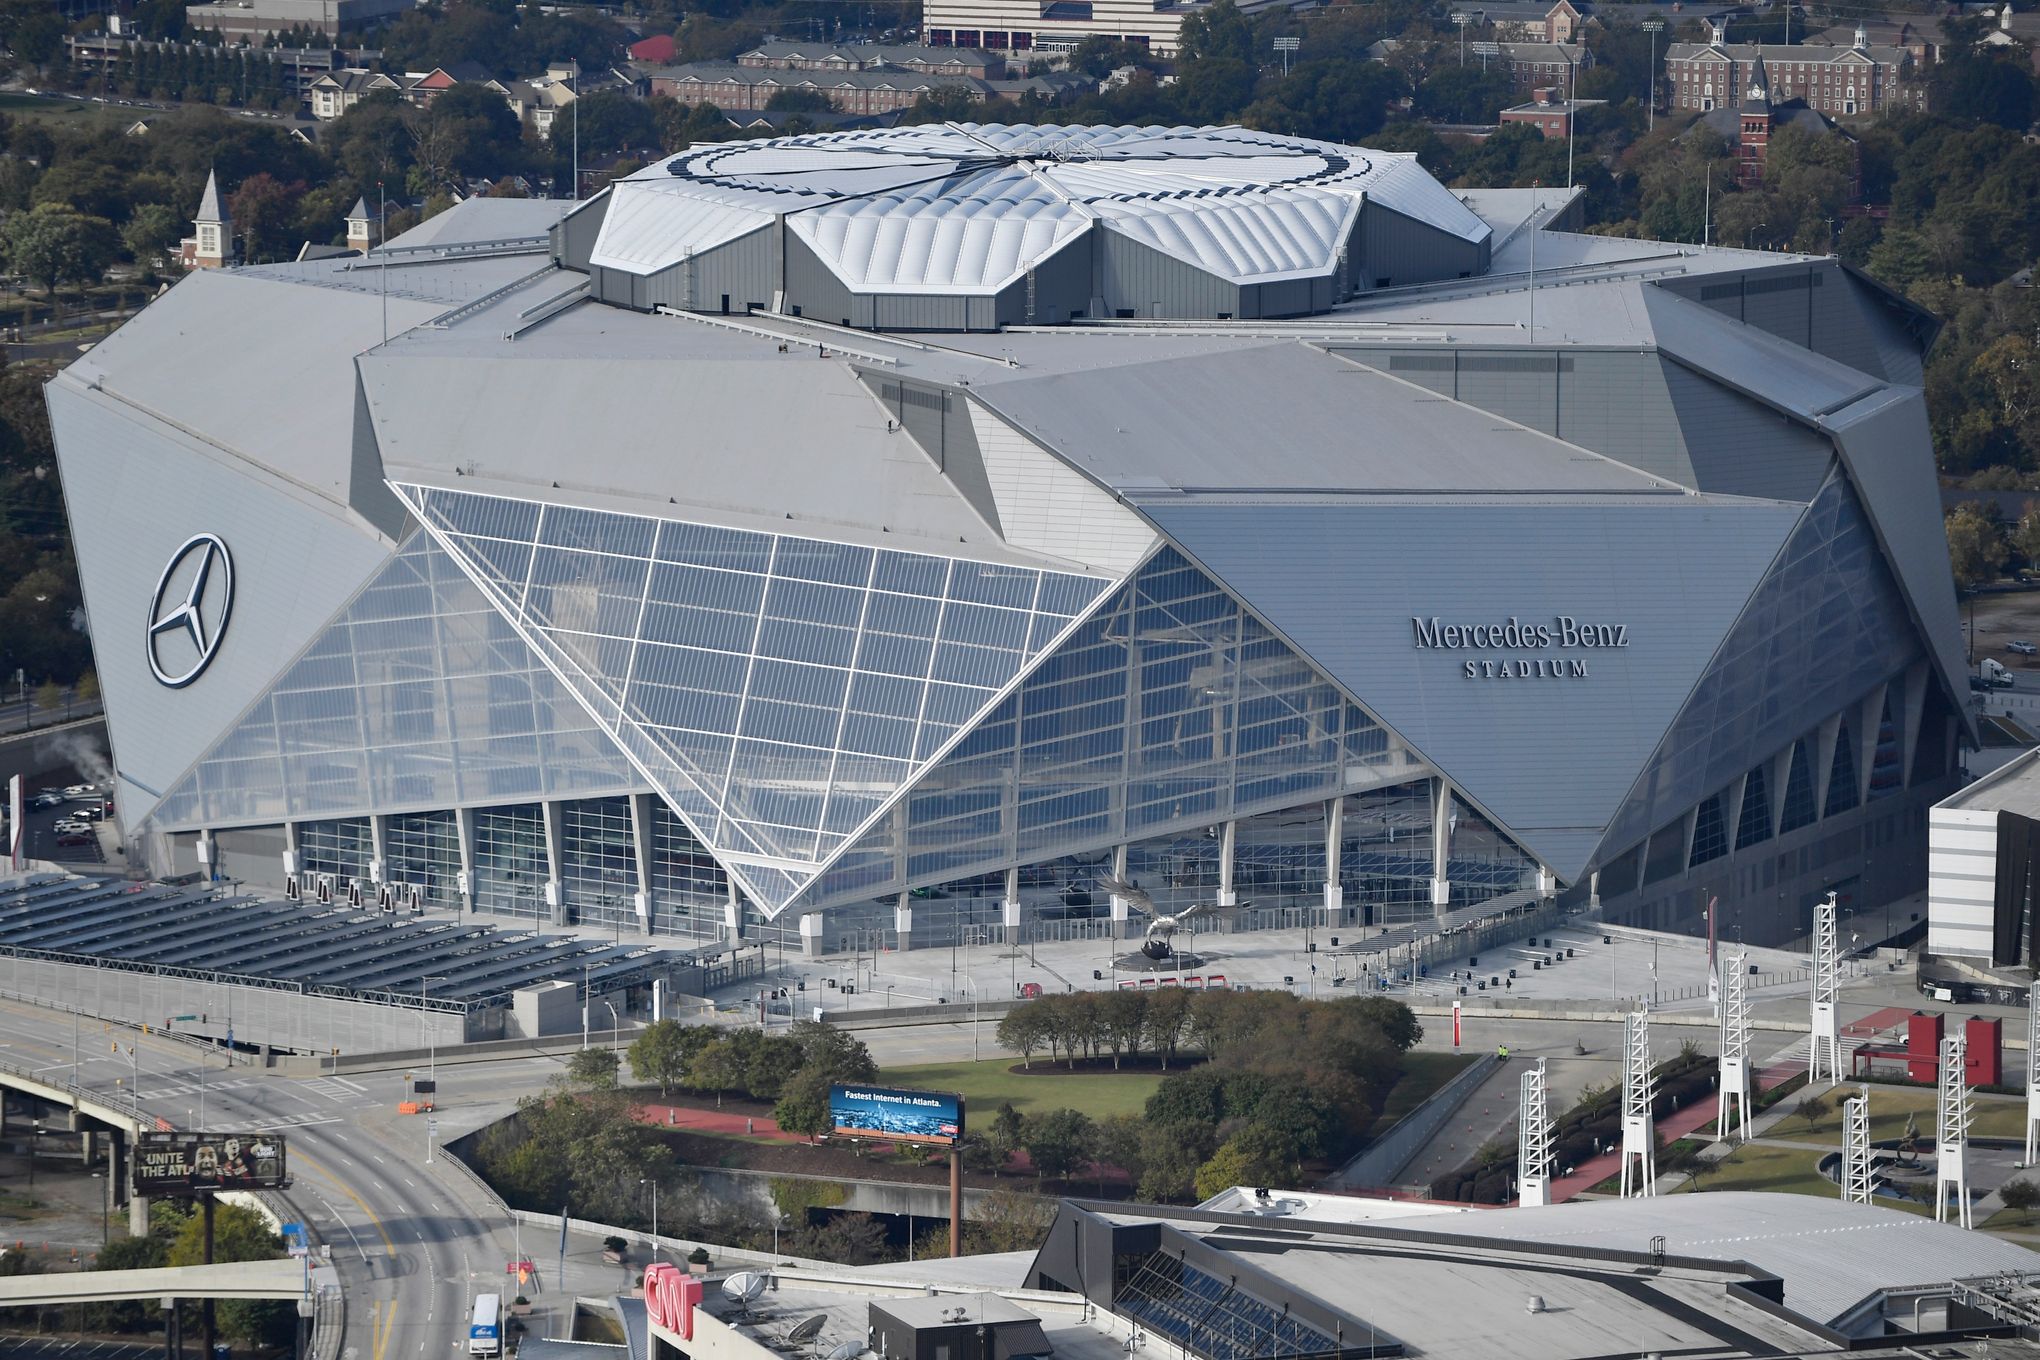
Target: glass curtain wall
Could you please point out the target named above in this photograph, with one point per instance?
(782, 688)
(598, 862)
(424, 853)
(342, 847)
(510, 861)
(689, 889)
(1166, 712)
(419, 694)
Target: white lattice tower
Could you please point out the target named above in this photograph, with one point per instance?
(1826, 1042)
(1533, 1138)
(2032, 1069)
(1735, 1048)
(1639, 1129)
(1857, 1182)
(1951, 1134)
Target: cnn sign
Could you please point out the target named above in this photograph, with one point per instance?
(671, 1295)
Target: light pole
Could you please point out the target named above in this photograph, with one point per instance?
(1652, 27)
(615, 1025)
(1751, 233)
(647, 1180)
(431, 1034)
(587, 1004)
(1460, 19)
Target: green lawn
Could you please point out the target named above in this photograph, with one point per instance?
(68, 110)
(989, 1084)
(1996, 1116)
(1781, 1170)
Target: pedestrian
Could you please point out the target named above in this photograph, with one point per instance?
(750, 1125)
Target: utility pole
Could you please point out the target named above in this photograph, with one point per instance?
(1460, 19)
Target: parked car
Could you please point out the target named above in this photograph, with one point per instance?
(75, 838)
(2023, 648)
(78, 791)
(47, 799)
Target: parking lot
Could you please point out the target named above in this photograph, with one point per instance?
(45, 842)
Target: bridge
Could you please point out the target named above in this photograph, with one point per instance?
(283, 1279)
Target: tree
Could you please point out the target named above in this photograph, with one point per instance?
(52, 244)
(1976, 547)
(834, 1052)
(1058, 1142)
(1170, 1156)
(1122, 1022)
(1008, 1220)
(2020, 1195)
(1465, 94)
(239, 1234)
(2026, 534)
(594, 1067)
(795, 99)
(152, 230)
(1255, 1156)
(662, 1051)
(1023, 1029)
(264, 210)
(1811, 1109)
(1168, 1015)
(804, 1103)
(49, 696)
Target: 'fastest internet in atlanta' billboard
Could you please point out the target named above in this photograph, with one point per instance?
(908, 1116)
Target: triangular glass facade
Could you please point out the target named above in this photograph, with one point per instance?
(418, 696)
(1171, 708)
(779, 689)
(1826, 623)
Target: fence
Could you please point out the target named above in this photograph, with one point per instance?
(249, 1011)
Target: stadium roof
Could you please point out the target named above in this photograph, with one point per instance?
(972, 207)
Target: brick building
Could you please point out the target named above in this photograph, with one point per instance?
(734, 88)
(1837, 81)
(1550, 112)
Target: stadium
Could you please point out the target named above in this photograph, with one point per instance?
(898, 531)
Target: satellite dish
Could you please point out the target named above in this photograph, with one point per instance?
(803, 1332)
(745, 1285)
(849, 1350)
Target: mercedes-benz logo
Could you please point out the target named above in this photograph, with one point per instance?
(188, 616)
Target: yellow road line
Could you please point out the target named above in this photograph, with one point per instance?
(385, 1327)
(389, 1248)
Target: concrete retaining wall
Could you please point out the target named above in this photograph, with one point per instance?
(1382, 1163)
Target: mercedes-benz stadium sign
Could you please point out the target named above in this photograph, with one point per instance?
(189, 611)
(189, 1163)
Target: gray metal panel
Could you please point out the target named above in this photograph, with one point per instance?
(1059, 285)
(1616, 402)
(916, 312)
(1739, 448)
(1205, 421)
(1143, 282)
(149, 489)
(1549, 758)
(1780, 301)
(1397, 250)
(573, 238)
(812, 287)
(1518, 386)
(1846, 329)
(937, 420)
(1888, 451)
(263, 367)
(1432, 368)
(1787, 376)
(739, 270)
(367, 492)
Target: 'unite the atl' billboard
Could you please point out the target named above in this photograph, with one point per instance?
(188, 1163)
(908, 1116)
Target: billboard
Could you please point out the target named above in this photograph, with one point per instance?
(908, 1116)
(186, 1163)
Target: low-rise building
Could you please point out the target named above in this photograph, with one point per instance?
(1748, 129)
(102, 55)
(936, 61)
(1550, 112)
(1840, 82)
(254, 20)
(335, 92)
(744, 88)
(1535, 66)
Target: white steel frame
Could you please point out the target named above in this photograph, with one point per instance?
(1533, 1138)
(1733, 1098)
(1857, 1181)
(1825, 1046)
(1639, 1132)
(1951, 1135)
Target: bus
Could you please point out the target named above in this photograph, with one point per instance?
(485, 1329)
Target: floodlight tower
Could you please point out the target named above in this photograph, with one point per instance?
(1639, 1133)
(2032, 1068)
(1533, 1139)
(1951, 1138)
(1857, 1182)
(1735, 1047)
(1825, 1046)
